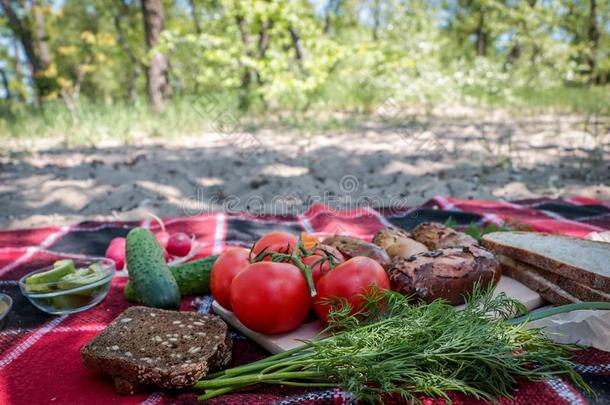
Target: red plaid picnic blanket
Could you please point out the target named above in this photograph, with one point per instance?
(39, 353)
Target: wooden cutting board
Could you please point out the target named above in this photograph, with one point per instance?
(282, 342)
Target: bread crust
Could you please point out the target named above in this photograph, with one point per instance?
(529, 276)
(386, 237)
(351, 247)
(581, 291)
(167, 349)
(398, 242)
(497, 243)
(576, 291)
(436, 236)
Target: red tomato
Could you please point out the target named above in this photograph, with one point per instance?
(225, 268)
(270, 297)
(278, 241)
(321, 268)
(349, 280)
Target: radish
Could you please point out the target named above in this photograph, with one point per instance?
(116, 252)
(163, 237)
(179, 244)
(166, 256)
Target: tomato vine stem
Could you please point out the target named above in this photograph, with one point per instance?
(295, 258)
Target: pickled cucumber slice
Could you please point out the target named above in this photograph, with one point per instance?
(96, 268)
(69, 301)
(62, 268)
(80, 278)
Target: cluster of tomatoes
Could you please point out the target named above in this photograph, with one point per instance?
(272, 288)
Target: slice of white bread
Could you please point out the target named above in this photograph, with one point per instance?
(529, 276)
(584, 261)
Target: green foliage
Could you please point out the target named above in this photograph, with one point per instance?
(477, 230)
(297, 56)
(124, 121)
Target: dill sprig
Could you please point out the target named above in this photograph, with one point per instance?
(394, 346)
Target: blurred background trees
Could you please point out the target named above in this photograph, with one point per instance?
(261, 55)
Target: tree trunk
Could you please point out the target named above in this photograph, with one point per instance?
(296, 43)
(593, 37)
(17, 60)
(263, 38)
(243, 101)
(157, 80)
(132, 81)
(326, 28)
(517, 49)
(195, 17)
(18, 74)
(481, 33)
(514, 54)
(42, 40)
(7, 89)
(24, 34)
(331, 7)
(376, 19)
(132, 84)
(80, 77)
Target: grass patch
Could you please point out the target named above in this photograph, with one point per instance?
(344, 110)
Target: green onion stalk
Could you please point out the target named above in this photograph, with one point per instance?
(395, 347)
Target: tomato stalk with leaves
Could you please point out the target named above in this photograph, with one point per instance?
(297, 257)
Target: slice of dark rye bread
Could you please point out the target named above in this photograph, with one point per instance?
(167, 349)
(576, 291)
(528, 275)
(584, 261)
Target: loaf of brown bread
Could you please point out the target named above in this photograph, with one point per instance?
(386, 237)
(438, 236)
(398, 243)
(448, 273)
(167, 349)
(351, 247)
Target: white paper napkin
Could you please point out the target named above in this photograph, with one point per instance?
(587, 328)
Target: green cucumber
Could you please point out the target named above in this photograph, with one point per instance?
(152, 281)
(192, 278)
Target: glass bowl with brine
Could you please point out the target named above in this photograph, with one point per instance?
(68, 286)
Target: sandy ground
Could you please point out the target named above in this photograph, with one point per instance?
(491, 156)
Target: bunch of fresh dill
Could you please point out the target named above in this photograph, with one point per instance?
(396, 347)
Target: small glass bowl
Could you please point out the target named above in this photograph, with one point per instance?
(68, 301)
(6, 303)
